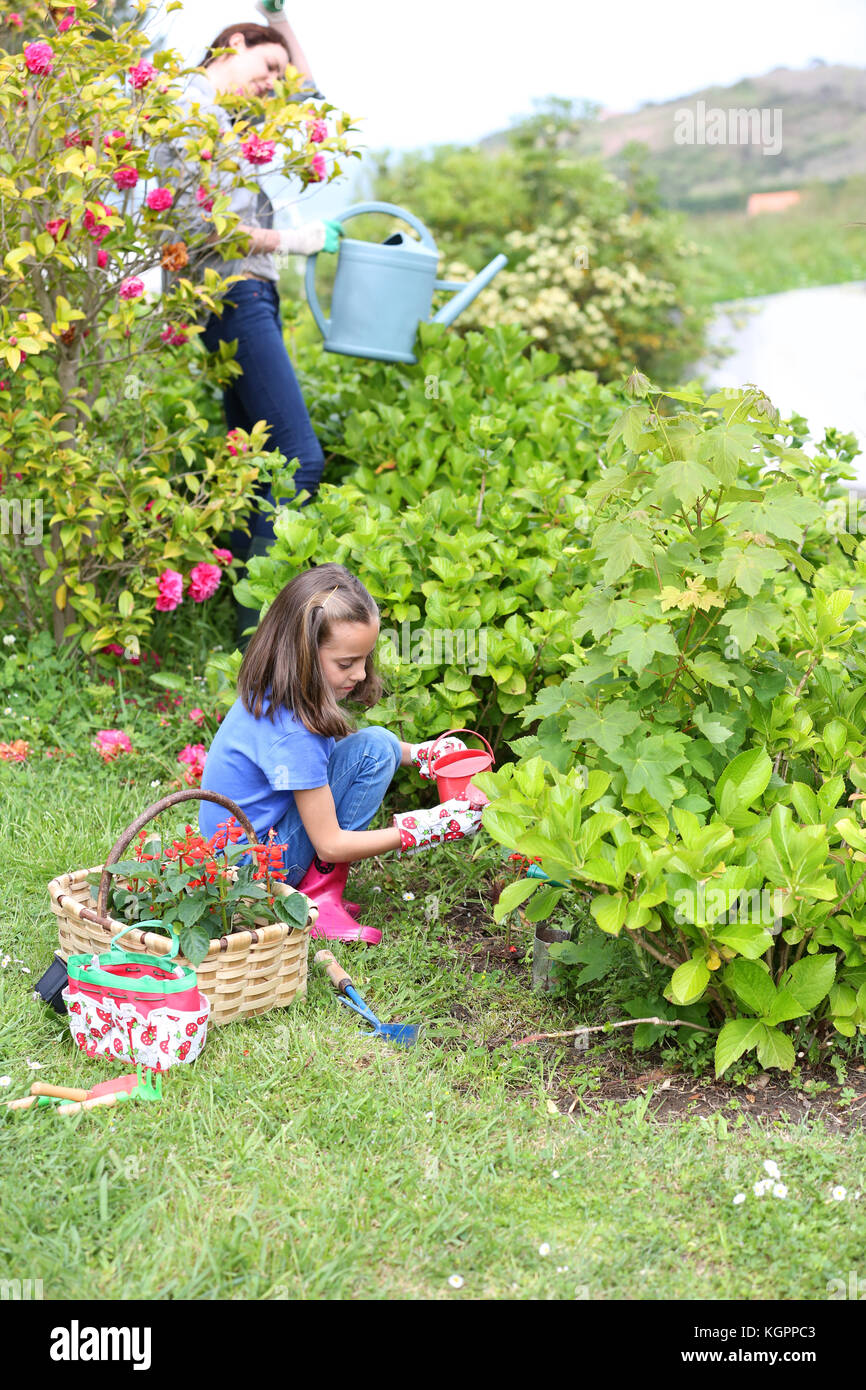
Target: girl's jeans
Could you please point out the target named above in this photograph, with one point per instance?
(268, 390)
(360, 770)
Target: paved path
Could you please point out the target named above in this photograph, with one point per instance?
(807, 350)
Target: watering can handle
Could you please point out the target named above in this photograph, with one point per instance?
(359, 208)
(439, 738)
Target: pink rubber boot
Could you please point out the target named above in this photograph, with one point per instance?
(324, 883)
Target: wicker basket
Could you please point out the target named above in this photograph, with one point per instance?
(245, 973)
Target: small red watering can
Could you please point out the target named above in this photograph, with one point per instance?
(454, 771)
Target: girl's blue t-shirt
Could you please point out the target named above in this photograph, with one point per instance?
(259, 764)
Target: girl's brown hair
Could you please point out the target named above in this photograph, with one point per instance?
(252, 35)
(281, 663)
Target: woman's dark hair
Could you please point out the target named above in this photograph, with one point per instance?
(252, 35)
(281, 662)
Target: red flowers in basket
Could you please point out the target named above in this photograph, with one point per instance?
(194, 885)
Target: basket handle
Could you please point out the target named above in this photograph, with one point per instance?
(162, 805)
(458, 731)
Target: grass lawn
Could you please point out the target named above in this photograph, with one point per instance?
(300, 1159)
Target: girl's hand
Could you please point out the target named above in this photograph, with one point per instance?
(453, 820)
(419, 753)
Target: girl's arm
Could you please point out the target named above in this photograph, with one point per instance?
(280, 23)
(333, 844)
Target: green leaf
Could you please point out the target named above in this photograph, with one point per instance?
(689, 981)
(511, 897)
(194, 943)
(189, 910)
(609, 911)
(543, 904)
(737, 1036)
(724, 448)
(743, 781)
(810, 980)
(752, 984)
(639, 645)
(294, 908)
(775, 1049)
(747, 938)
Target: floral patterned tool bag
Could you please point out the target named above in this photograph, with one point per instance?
(135, 1007)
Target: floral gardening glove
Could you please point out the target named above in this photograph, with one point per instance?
(420, 753)
(453, 820)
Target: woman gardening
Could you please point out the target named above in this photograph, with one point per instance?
(287, 755)
(254, 57)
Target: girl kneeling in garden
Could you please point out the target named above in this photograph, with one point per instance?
(287, 755)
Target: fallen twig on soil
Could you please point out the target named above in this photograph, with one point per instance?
(606, 1027)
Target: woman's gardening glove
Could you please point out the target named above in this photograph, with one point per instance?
(453, 820)
(420, 753)
(310, 238)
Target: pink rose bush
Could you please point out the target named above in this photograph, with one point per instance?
(197, 715)
(204, 198)
(223, 557)
(109, 743)
(125, 178)
(58, 227)
(317, 167)
(317, 131)
(14, 20)
(101, 258)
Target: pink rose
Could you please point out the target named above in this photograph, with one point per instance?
(66, 23)
(113, 649)
(101, 258)
(131, 288)
(235, 446)
(204, 199)
(159, 199)
(258, 151)
(141, 74)
(204, 580)
(317, 167)
(14, 20)
(110, 742)
(170, 591)
(92, 224)
(224, 557)
(197, 716)
(318, 131)
(58, 227)
(193, 753)
(125, 178)
(39, 57)
(115, 136)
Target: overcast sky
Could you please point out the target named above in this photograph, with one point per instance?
(456, 70)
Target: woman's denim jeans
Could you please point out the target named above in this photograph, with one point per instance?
(360, 771)
(268, 390)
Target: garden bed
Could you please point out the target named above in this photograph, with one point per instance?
(610, 1072)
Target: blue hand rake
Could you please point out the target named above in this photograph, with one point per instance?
(404, 1034)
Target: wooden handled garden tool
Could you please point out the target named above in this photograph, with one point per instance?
(132, 1086)
(405, 1034)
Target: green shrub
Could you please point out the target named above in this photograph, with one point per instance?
(462, 516)
(698, 776)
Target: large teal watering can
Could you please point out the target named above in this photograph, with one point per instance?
(383, 291)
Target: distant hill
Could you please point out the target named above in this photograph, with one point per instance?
(822, 124)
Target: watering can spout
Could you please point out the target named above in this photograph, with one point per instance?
(466, 293)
